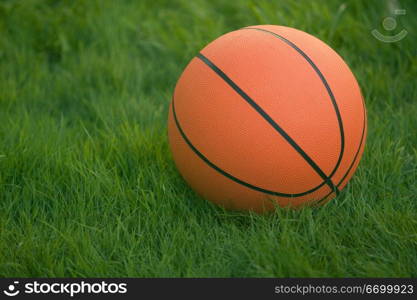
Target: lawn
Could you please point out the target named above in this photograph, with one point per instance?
(88, 186)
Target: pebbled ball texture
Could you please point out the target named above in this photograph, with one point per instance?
(264, 116)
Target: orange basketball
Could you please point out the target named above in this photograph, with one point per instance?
(264, 116)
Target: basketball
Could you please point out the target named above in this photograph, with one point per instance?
(267, 116)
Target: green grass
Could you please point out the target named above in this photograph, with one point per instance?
(87, 183)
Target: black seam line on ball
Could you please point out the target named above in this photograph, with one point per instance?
(224, 173)
(355, 157)
(326, 85)
(271, 122)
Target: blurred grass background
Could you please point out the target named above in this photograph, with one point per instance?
(87, 183)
